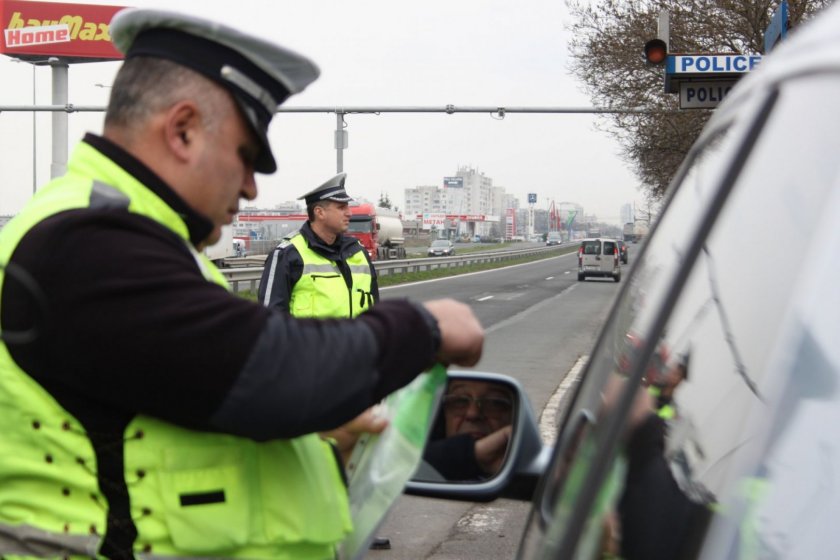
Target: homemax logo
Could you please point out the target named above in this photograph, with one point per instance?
(21, 32)
(37, 35)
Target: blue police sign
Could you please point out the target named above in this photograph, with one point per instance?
(712, 63)
(682, 68)
(532, 198)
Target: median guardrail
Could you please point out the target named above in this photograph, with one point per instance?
(248, 277)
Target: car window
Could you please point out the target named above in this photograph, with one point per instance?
(591, 247)
(622, 339)
(709, 372)
(609, 248)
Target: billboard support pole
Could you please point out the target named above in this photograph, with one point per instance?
(60, 70)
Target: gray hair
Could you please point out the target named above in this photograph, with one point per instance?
(145, 86)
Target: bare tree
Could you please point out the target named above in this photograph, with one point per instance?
(608, 37)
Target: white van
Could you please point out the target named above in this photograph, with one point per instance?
(599, 257)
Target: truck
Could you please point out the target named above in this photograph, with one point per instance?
(640, 230)
(379, 230)
(629, 233)
(226, 247)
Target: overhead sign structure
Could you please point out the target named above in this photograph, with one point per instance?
(72, 32)
(777, 29)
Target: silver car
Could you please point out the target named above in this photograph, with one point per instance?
(706, 422)
(441, 248)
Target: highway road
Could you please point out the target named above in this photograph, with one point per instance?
(539, 321)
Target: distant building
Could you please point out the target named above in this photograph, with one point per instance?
(627, 214)
(424, 199)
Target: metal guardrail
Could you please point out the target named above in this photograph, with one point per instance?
(248, 277)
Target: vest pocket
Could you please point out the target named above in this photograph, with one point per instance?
(304, 498)
(206, 509)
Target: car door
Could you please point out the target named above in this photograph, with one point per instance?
(586, 442)
(590, 250)
(693, 298)
(609, 256)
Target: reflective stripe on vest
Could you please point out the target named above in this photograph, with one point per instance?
(322, 290)
(192, 494)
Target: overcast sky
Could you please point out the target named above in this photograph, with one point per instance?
(373, 53)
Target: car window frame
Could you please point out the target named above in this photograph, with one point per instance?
(607, 445)
(575, 419)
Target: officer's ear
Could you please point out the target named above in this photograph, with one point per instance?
(182, 129)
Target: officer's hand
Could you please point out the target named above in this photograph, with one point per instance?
(347, 435)
(461, 335)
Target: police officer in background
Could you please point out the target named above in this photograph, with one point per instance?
(317, 271)
(153, 413)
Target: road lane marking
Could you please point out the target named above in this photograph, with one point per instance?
(548, 418)
(485, 298)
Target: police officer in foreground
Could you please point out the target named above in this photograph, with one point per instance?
(154, 413)
(317, 271)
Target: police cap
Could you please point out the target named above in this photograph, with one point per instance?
(333, 189)
(259, 74)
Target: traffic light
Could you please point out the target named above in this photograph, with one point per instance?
(656, 51)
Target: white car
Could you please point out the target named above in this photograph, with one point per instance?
(599, 257)
(705, 424)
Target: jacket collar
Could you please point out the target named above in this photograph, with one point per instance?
(198, 226)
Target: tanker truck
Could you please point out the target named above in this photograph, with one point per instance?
(379, 230)
(640, 230)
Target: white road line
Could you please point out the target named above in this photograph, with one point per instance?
(485, 298)
(550, 278)
(548, 418)
(457, 276)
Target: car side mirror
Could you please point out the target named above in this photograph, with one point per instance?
(484, 442)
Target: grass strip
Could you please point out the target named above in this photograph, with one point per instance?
(406, 277)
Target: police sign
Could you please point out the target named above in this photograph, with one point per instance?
(703, 95)
(682, 69)
(712, 63)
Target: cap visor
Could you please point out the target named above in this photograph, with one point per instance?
(265, 159)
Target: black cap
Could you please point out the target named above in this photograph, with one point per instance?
(259, 74)
(333, 189)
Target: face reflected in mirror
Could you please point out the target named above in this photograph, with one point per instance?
(476, 408)
(471, 434)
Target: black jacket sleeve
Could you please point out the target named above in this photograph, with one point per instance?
(454, 458)
(283, 268)
(657, 518)
(134, 328)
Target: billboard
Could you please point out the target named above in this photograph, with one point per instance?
(38, 30)
(434, 220)
(453, 182)
(510, 223)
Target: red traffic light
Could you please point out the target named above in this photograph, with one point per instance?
(656, 51)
